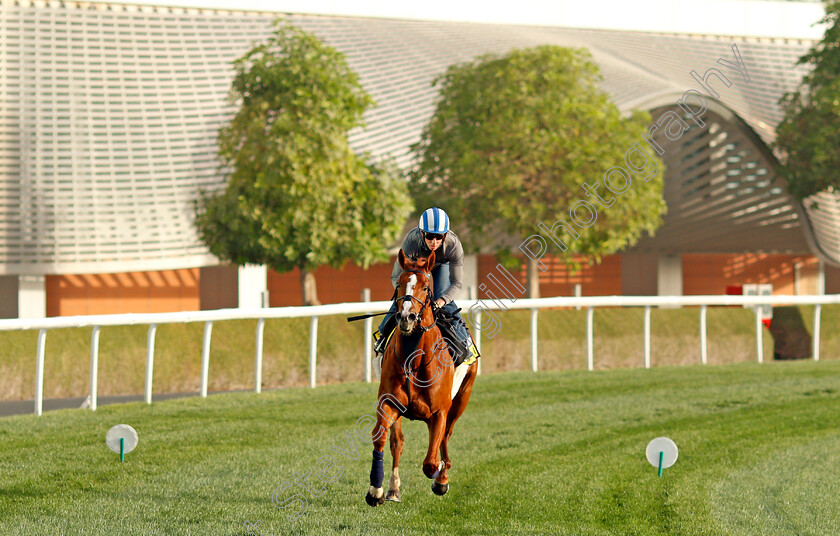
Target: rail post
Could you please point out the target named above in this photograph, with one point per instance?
(313, 349)
(94, 366)
(150, 361)
(258, 350)
(703, 349)
(590, 353)
(205, 357)
(39, 372)
(817, 314)
(534, 340)
(647, 336)
(368, 338)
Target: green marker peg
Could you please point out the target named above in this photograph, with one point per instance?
(121, 438)
(661, 453)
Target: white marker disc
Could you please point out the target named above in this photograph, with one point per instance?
(112, 438)
(665, 446)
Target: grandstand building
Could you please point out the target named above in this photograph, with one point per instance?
(108, 128)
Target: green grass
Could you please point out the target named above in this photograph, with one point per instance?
(562, 335)
(546, 453)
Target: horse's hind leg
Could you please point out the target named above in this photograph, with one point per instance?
(459, 404)
(441, 483)
(397, 441)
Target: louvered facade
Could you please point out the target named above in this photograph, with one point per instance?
(722, 193)
(109, 116)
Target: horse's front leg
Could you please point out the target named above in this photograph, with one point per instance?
(432, 462)
(385, 417)
(397, 441)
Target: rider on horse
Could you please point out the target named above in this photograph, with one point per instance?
(433, 234)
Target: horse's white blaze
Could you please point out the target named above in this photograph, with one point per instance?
(394, 483)
(376, 492)
(409, 290)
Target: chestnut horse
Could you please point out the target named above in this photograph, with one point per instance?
(416, 382)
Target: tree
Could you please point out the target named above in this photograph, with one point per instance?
(809, 134)
(515, 137)
(297, 195)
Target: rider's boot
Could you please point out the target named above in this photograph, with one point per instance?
(380, 342)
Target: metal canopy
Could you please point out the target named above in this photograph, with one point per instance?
(722, 193)
(109, 115)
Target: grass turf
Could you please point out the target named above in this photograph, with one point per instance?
(546, 453)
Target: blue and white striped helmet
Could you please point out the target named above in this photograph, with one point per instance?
(434, 220)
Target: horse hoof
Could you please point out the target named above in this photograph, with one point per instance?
(373, 501)
(440, 489)
(393, 495)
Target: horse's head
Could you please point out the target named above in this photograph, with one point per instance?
(413, 291)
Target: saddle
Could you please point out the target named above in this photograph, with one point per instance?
(461, 350)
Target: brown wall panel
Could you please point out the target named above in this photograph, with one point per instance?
(832, 279)
(10, 288)
(712, 273)
(334, 285)
(135, 292)
(639, 274)
(558, 279)
(219, 287)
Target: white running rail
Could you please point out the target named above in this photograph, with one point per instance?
(208, 317)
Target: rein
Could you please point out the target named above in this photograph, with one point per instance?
(423, 329)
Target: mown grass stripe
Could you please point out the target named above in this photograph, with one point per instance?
(545, 453)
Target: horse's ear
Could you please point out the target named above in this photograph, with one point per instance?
(401, 259)
(430, 262)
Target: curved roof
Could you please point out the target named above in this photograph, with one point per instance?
(109, 113)
(722, 193)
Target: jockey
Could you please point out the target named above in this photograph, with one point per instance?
(432, 234)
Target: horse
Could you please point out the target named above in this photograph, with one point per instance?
(416, 382)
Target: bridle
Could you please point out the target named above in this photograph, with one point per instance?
(423, 304)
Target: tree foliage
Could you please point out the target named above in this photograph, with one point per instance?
(809, 134)
(297, 195)
(515, 137)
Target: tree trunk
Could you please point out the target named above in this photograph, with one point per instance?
(533, 279)
(307, 284)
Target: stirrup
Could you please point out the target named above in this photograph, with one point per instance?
(381, 343)
(377, 341)
(473, 354)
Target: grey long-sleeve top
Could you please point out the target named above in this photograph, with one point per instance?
(450, 251)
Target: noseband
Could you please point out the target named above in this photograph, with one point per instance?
(407, 366)
(423, 304)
